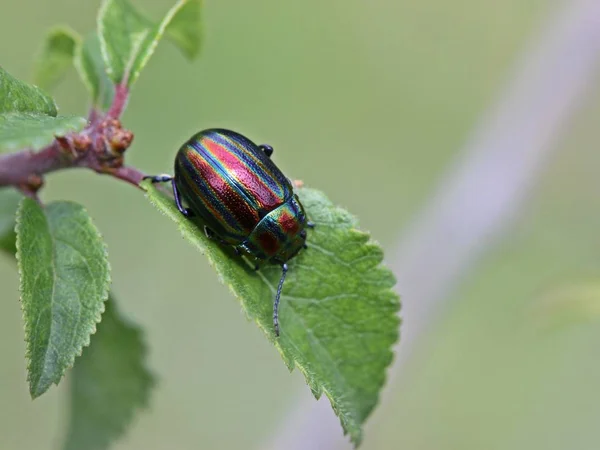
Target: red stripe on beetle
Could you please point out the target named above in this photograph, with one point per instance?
(221, 187)
(244, 175)
(269, 243)
(288, 223)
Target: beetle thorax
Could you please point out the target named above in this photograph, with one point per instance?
(280, 235)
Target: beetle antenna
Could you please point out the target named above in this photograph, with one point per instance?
(284, 268)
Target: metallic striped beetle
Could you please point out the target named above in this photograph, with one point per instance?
(242, 197)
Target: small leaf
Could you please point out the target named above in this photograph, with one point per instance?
(30, 130)
(28, 116)
(56, 57)
(185, 28)
(64, 282)
(338, 314)
(128, 39)
(109, 382)
(92, 70)
(17, 96)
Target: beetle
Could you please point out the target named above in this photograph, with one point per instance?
(241, 196)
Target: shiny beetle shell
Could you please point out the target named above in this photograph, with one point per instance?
(240, 194)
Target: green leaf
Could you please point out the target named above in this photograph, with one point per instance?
(64, 282)
(92, 70)
(28, 116)
(56, 57)
(185, 28)
(17, 96)
(9, 202)
(128, 39)
(109, 383)
(338, 313)
(29, 130)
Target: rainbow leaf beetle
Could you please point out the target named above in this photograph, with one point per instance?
(241, 196)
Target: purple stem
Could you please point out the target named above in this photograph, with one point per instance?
(119, 101)
(129, 174)
(17, 168)
(98, 147)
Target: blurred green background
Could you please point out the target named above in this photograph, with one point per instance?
(369, 102)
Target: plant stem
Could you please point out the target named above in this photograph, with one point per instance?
(129, 174)
(18, 168)
(99, 147)
(24, 169)
(119, 101)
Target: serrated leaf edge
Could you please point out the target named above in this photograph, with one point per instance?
(38, 91)
(104, 297)
(40, 141)
(316, 387)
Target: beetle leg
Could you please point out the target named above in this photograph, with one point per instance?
(185, 211)
(284, 269)
(210, 234)
(309, 224)
(162, 178)
(267, 149)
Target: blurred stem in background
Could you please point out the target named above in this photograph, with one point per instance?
(478, 199)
